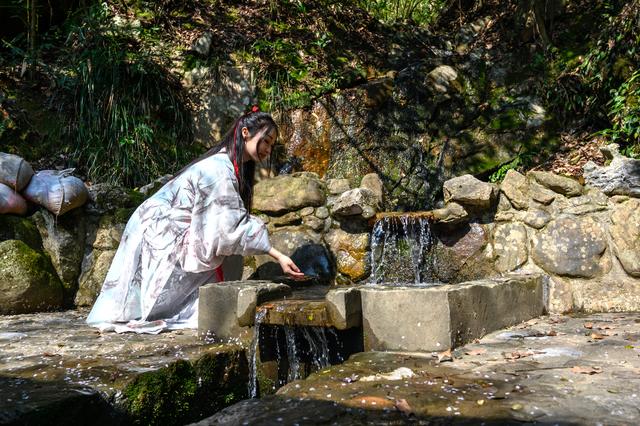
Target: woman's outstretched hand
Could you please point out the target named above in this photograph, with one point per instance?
(287, 265)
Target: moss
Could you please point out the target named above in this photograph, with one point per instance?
(184, 392)
(162, 397)
(122, 215)
(18, 228)
(22, 267)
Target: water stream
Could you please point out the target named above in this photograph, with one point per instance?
(401, 250)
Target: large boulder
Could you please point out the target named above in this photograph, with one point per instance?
(29, 283)
(287, 193)
(570, 246)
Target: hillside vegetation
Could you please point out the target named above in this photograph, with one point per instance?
(101, 86)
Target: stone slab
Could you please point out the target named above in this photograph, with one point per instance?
(224, 308)
(344, 306)
(437, 318)
(55, 369)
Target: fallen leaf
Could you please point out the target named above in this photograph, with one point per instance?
(516, 354)
(586, 370)
(445, 356)
(596, 336)
(588, 325)
(517, 407)
(480, 402)
(552, 333)
(474, 352)
(370, 401)
(403, 406)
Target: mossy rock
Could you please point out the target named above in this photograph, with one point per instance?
(20, 228)
(29, 282)
(184, 392)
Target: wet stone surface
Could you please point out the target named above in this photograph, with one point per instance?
(550, 370)
(52, 359)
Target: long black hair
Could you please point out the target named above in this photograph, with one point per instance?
(233, 142)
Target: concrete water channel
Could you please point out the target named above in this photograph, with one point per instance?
(54, 369)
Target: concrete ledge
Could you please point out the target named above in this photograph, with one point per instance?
(344, 307)
(224, 308)
(441, 317)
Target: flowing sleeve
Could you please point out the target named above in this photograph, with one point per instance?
(220, 226)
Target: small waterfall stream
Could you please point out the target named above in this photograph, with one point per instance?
(401, 250)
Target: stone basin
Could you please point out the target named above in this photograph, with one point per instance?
(305, 313)
(55, 367)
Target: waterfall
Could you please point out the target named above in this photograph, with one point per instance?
(253, 354)
(401, 250)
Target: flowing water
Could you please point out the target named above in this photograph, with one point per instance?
(401, 250)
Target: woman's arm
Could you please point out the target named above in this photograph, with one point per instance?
(287, 265)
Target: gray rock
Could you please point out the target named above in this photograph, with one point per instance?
(94, 270)
(570, 246)
(510, 246)
(373, 183)
(620, 177)
(338, 186)
(541, 194)
(351, 253)
(537, 218)
(63, 240)
(153, 187)
(625, 233)
(560, 184)
(516, 188)
(29, 282)
(202, 45)
(395, 318)
(442, 79)
(287, 193)
(19, 228)
(469, 191)
(354, 202)
(451, 213)
(322, 212)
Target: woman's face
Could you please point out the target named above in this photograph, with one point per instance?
(257, 147)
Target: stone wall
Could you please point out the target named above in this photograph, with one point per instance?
(584, 237)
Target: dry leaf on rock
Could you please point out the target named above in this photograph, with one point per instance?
(516, 354)
(588, 325)
(474, 352)
(445, 356)
(403, 406)
(586, 370)
(597, 336)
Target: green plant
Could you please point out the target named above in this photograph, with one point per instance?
(624, 112)
(521, 160)
(420, 11)
(130, 123)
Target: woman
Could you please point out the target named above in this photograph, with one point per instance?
(177, 239)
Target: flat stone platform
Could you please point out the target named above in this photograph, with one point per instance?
(55, 367)
(581, 370)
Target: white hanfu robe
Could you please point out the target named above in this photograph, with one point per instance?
(171, 246)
